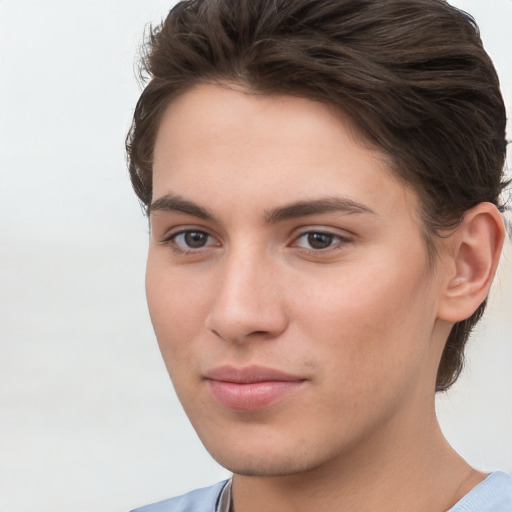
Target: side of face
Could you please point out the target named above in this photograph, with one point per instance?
(288, 282)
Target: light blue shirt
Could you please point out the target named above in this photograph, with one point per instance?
(494, 494)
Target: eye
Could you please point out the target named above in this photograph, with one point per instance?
(318, 240)
(190, 240)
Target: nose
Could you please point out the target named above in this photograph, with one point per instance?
(248, 303)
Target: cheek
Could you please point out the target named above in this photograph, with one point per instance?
(371, 326)
(178, 307)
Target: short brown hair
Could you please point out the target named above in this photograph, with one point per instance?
(411, 74)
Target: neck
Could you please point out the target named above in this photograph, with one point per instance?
(405, 466)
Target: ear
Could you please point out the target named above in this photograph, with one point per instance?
(475, 249)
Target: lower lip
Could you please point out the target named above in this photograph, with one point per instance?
(252, 396)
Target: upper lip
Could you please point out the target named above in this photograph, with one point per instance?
(249, 374)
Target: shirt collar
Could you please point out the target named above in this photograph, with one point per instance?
(225, 503)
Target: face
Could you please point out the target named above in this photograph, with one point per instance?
(287, 281)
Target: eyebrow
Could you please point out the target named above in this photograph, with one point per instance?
(174, 203)
(315, 207)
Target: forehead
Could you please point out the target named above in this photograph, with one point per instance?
(217, 142)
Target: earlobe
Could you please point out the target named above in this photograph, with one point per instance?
(475, 253)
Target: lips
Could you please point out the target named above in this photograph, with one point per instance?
(250, 388)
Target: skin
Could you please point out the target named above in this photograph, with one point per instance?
(345, 299)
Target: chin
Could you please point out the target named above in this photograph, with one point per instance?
(268, 461)
(266, 466)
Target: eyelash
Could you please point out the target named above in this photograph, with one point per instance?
(337, 242)
(170, 241)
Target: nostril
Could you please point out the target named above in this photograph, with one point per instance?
(241, 337)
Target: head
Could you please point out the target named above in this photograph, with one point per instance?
(420, 88)
(408, 80)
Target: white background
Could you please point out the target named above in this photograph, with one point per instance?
(88, 420)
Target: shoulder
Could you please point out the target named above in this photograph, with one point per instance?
(494, 494)
(199, 500)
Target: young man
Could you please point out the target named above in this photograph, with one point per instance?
(322, 179)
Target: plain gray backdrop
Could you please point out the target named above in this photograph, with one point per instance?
(88, 419)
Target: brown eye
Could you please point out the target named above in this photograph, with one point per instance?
(195, 239)
(319, 240)
(192, 239)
